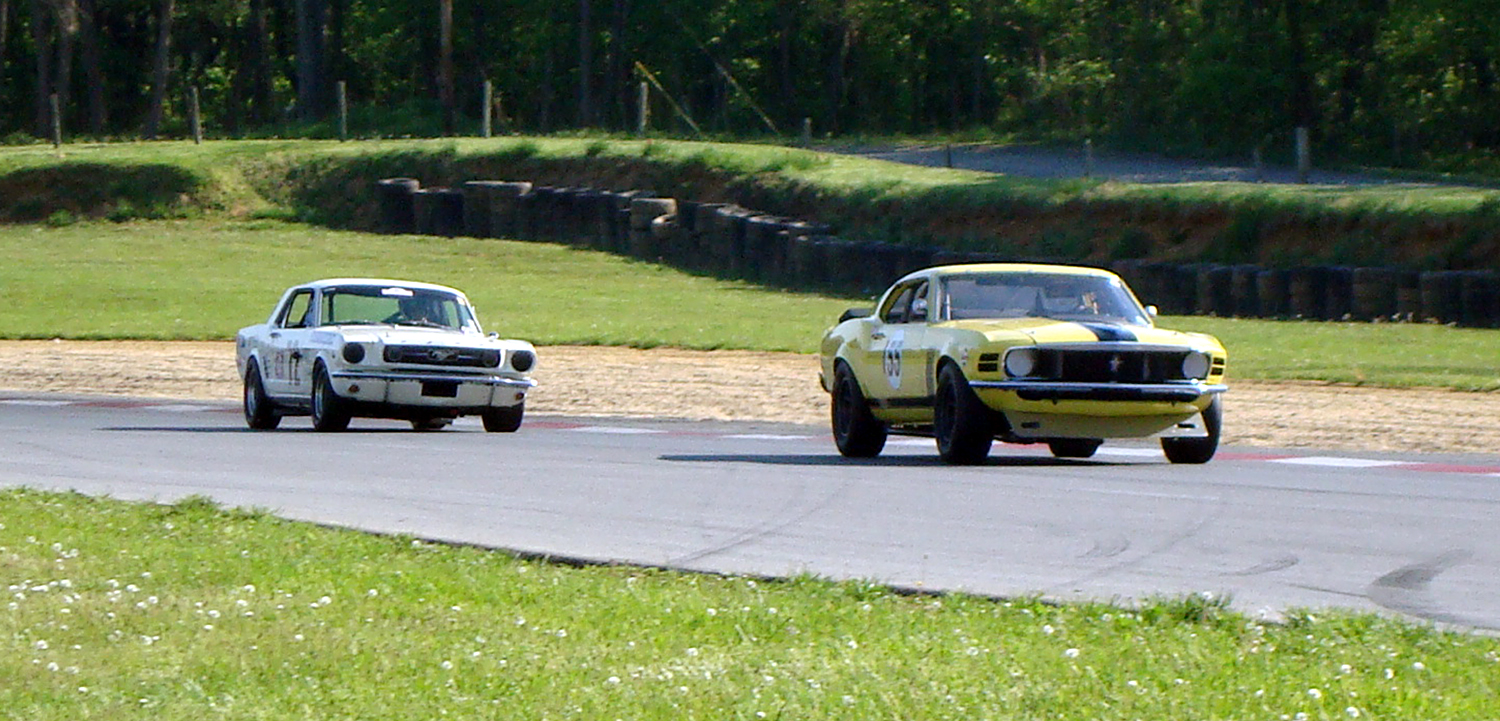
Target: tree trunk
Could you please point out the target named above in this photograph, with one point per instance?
(67, 32)
(585, 64)
(258, 64)
(93, 73)
(619, 65)
(446, 95)
(4, 32)
(312, 19)
(41, 31)
(1301, 109)
(159, 68)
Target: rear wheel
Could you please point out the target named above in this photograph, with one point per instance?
(960, 420)
(260, 412)
(856, 431)
(504, 420)
(329, 412)
(1198, 450)
(1074, 447)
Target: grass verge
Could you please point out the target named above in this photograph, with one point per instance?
(205, 278)
(118, 610)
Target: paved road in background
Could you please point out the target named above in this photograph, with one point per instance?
(1038, 162)
(1410, 534)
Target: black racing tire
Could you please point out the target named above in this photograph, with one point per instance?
(329, 412)
(260, 411)
(430, 424)
(856, 431)
(1198, 450)
(504, 420)
(962, 423)
(1074, 447)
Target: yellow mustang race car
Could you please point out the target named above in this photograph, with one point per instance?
(1050, 354)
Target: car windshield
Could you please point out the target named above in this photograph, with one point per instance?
(396, 305)
(1044, 295)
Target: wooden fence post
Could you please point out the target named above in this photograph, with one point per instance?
(195, 117)
(1304, 154)
(489, 109)
(343, 90)
(642, 108)
(56, 105)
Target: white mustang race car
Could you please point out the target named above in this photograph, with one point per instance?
(340, 348)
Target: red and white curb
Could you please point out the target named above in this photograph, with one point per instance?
(606, 428)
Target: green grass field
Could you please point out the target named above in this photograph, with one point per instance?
(121, 611)
(205, 278)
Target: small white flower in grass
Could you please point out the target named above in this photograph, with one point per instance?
(1071, 653)
(1315, 693)
(208, 627)
(692, 652)
(447, 665)
(40, 645)
(297, 637)
(372, 593)
(1352, 712)
(1390, 673)
(713, 611)
(53, 666)
(853, 643)
(1419, 666)
(612, 680)
(132, 588)
(1346, 669)
(248, 588)
(1048, 629)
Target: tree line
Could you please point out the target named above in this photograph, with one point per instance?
(1369, 78)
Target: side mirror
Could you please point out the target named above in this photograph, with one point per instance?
(1151, 311)
(853, 313)
(918, 310)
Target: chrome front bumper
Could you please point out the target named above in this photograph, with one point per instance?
(1064, 391)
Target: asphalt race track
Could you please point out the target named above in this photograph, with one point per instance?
(1410, 534)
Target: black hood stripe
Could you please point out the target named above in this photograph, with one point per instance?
(1110, 332)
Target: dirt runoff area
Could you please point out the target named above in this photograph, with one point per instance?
(771, 387)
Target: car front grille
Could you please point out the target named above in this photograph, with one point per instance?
(1109, 366)
(442, 356)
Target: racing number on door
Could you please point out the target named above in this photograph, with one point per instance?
(891, 359)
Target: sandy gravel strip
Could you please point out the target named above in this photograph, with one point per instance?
(775, 387)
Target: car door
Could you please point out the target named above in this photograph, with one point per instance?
(283, 361)
(898, 352)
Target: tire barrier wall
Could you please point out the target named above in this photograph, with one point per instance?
(727, 239)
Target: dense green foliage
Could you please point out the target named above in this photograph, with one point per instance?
(141, 611)
(1411, 82)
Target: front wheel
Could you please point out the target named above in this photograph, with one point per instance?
(960, 420)
(1198, 450)
(260, 412)
(504, 420)
(329, 412)
(856, 431)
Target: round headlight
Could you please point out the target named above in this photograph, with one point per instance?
(354, 352)
(522, 360)
(1020, 362)
(1195, 365)
(490, 358)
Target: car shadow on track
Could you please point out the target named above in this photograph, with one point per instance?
(242, 429)
(792, 459)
